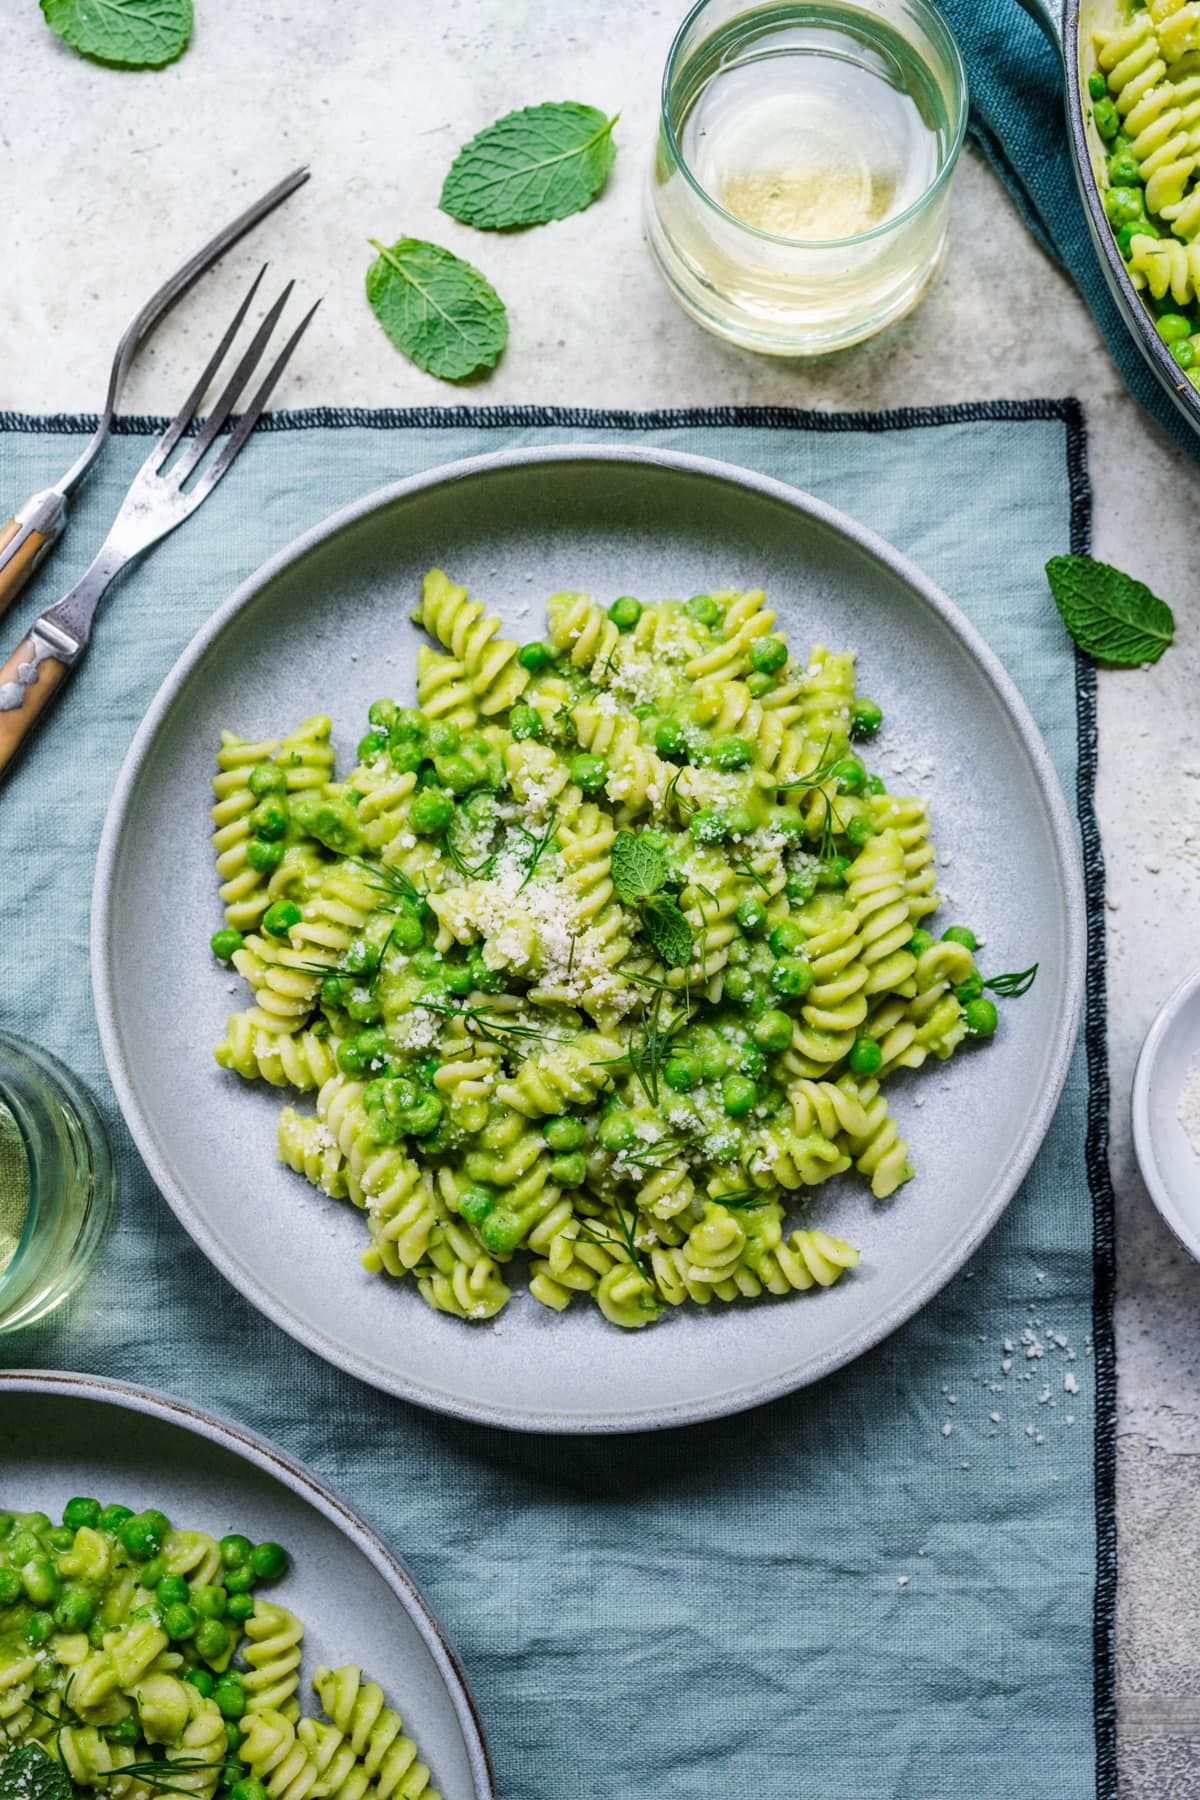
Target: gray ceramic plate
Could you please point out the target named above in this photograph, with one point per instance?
(515, 527)
(62, 1435)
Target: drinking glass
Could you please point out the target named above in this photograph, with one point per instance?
(800, 187)
(56, 1183)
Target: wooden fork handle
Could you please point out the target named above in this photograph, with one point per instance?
(29, 681)
(16, 569)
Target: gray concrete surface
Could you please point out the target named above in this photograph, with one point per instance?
(105, 175)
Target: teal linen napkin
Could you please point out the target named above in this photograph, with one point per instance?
(872, 1588)
(1017, 120)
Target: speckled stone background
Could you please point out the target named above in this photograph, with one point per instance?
(107, 177)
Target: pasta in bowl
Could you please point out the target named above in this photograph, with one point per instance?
(602, 953)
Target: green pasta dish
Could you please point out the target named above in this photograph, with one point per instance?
(137, 1661)
(601, 953)
(1145, 106)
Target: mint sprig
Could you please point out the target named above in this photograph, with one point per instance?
(638, 868)
(1112, 617)
(29, 1774)
(134, 34)
(531, 166)
(668, 930)
(437, 309)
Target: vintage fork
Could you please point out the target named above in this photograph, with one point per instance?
(156, 503)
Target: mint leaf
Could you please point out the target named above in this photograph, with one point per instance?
(668, 931)
(29, 1774)
(1110, 615)
(437, 309)
(137, 34)
(638, 869)
(531, 166)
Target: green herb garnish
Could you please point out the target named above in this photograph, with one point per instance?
(1011, 987)
(668, 930)
(638, 868)
(539, 846)
(1111, 616)
(132, 34)
(29, 1774)
(531, 166)
(438, 310)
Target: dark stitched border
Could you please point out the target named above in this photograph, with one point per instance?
(782, 418)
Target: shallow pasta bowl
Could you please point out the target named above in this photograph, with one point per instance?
(62, 1435)
(324, 628)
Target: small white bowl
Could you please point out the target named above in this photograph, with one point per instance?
(1170, 1165)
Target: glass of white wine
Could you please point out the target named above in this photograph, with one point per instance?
(799, 194)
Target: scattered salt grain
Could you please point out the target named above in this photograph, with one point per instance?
(947, 1428)
(1070, 1384)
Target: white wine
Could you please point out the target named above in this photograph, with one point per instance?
(797, 203)
(14, 1186)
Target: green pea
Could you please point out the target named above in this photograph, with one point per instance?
(738, 1094)
(280, 917)
(502, 1230)
(407, 932)
(792, 976)
(488, 981)
(444, 738)
(231, 1774)
(158, 1520)
(230, 1697)
(241, 1606)
(181, 1622)
(801, 884)
(74, 1610)
(860, 830)
(224, 943)
(8, 1523)
(60, 1537)
(625, 612)
(751, 1061)
(23, 1545)
(786, 936)
(960, 934)
(535, 657)
(125, 1731)
(970, 989)
(768, 655)
(981, 1017)
(264, 854)
(1123, 205)
(211, 1639)
(569, 1171)
(1184, 353)
(525, 722)
(234, 1549)
(669, 739)
(79, 1512)
(248, 1789)
(1107, 118)
(865, 717)
(739, 985)
(458, 979)
(234, 1738)
(1123, 168)
(458, 773)
(876, 784)
(39, 1628)
(475, 1203)
(703, 608)
(431, 811)
(733, 753)
(381, 713)
(615, 1131)
(565, 1133)
(210, 1602)
(202, 1681)
(589, 772)
(97, 1631)
(425, 1115)
(240, 1578)
(866, 1058)
(154, 1571)
(172, 1590)
(850, 775)
(773, 1031)
(683, 1071)
(1097, 86)
(1173, 326)
(140, 1538)
(371, 745)
(759, 684)
(751, 915)
(709, 826)
(269, 818)
(920, 942)
(266, 778)
(833, 872)
(10, 1587)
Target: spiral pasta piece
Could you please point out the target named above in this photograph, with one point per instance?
(243, 889)
(254, 1046)
(879, 1152)
(375, 1733)
(496, 679)
(272, 1657)
(879, 897)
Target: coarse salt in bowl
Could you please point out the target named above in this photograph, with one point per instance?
(1166, 1112)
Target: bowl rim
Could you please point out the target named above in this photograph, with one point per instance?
(1144, 1072)
(919, 1293)
(271, 1460)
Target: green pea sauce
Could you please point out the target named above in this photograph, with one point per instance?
(14, 1187)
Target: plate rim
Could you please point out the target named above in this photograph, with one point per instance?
(842, 525)
(270, 1459)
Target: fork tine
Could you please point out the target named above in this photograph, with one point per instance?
(195, 451)
(249, 419)
(187, 411)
